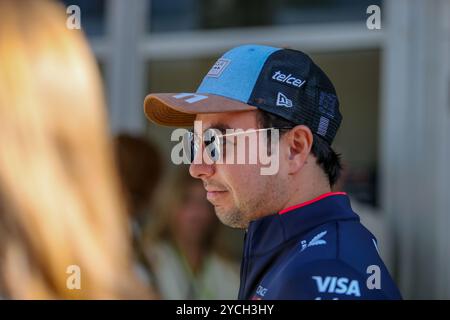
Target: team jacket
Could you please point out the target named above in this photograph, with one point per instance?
(315, 250)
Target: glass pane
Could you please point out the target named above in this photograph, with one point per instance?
(322, 11)
(210, 14)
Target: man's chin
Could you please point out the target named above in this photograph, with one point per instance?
(230, 218)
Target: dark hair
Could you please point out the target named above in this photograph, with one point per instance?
(327, 158)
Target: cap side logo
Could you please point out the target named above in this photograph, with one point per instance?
(288, 79)
(283, 101)
(218, 68)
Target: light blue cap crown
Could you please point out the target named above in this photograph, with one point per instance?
(234, 75)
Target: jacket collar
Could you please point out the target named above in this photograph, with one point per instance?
(266, 233)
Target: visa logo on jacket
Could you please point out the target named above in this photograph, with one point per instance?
(337, 285)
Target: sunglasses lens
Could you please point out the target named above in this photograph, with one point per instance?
(195, 146)
(188, 147)
(191, 145)
(214, 149)
(212, 144)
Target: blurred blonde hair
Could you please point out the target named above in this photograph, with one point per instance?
(59, 195)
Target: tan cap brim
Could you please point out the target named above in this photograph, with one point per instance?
(179, 109)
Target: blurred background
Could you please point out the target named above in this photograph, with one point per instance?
(393, 86)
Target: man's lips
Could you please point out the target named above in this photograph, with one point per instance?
(214, 190)
(209, 187)
(214, 195)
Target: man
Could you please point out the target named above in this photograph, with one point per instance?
(302, 240)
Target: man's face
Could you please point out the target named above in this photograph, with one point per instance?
(239, 192)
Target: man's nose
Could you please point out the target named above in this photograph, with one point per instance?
(199, 168)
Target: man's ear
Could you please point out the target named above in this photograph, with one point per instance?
(299, 141)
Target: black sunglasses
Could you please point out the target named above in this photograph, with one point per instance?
(214, 140)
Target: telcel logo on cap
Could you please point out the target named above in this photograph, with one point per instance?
(288, 79)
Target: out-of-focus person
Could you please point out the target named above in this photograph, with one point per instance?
(184, 247)
(140, 168)
(60, 202)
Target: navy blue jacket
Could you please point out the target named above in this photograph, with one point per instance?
(315, 250)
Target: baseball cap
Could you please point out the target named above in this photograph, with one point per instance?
(283, 82)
